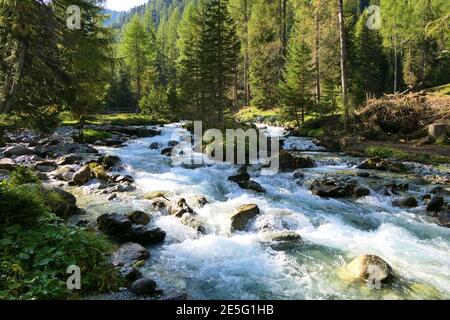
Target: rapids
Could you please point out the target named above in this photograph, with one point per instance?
(224, 265)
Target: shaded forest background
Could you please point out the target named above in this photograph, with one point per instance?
(207, 59)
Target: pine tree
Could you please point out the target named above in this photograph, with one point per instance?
(266, 53)
(369, 64)
(295, 89)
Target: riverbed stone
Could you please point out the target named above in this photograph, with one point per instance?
(17, 150)
(288, 161)
(200, 201)
(68, 159)
(7, 164)
(444, 219)
(382, 165)
(155, 146)
(142, 235)
(82, 176)
(144, 287)
(298, 174)
(45, 166)
(369, 266)
(167, 152)
(407, 202)
(155, 195)
(113, 223)
(109, 161)
(128, 254)
(333, 187)
(242, 216)
(436, 204)
(192, 221)
(284, 236)
(139, 217)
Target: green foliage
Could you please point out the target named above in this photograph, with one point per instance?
(36, 248)
(397, 154)
(297, 81)
(21, 205)
(266, 54)
(23, 175)
(91, 136)
(34, 262)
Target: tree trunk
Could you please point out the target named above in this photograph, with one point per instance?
(316, 54)
(344, 79)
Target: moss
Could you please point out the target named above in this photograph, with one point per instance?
(250, 114)
(125, 119)
(99, 171)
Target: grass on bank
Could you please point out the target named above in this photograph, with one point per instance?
(37, 247)
(125, 119)
(441, 90)
(400, 155)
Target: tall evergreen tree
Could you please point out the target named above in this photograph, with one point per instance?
(295, 89)
(266, 53)
(369, 64)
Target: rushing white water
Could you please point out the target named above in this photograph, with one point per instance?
(241, 265)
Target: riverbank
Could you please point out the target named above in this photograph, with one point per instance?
(307, 227)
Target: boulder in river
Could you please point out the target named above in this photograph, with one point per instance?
(382, 165)
(444, 219)
(155, 146)
(7, 164)
(155, 195)
(242, 216)
(369, 267)
(109, 161)
(435, 204)
(332, 187)
(288, 161)
(200, 201)
(284, 236)
(17, 150)
(144, 287)
(139, 217)
(45, 166)
(122, 228)
(143, 235)
(128, 254)
(82, 176)
(242, 178)
(192, 221)
(113, 223)
(407, 202)
(167, 152)
(69, 159)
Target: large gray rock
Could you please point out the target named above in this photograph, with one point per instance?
(128, 254)
(17, 150)
(242, 216)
